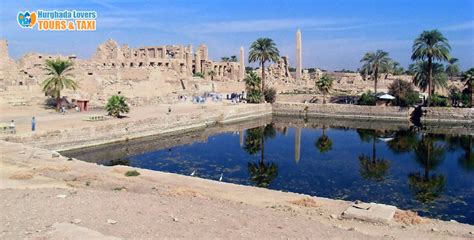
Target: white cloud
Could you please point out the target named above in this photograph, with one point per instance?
(460, 26)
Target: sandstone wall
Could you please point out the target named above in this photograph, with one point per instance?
(130, 129)
(448, 115)
(342, 111)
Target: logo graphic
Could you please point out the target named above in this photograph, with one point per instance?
(27, 19)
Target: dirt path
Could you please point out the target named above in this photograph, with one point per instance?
(52, 197)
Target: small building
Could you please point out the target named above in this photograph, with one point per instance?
(83, 104)
(384, 100)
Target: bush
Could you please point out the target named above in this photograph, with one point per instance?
(133, 173)
(201, 75)
(403, 92)
(254, 96)
(437, 100)
(270, 94)
(116, 105)
(367, 98)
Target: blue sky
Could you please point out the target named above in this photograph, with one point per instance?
(336, 33)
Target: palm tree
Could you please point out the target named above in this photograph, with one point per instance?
(468, 77)
(452, 69)
(60, 77)
(263, 50)
(225, 59)
(252, 85)
(324, 84)
(212, 73)
(420, 72)
(233, 58)
(324, 143)
(374, 62)
(430, 46)
(116, 105)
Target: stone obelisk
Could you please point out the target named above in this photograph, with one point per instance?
(242, 65)
(299, 64)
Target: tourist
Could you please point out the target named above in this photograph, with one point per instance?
(78, 109)
(12, 127)
(33, 124)
(169, 109)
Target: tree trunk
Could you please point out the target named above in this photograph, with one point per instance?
(376, 72)
(58, 103)
(430, 78)
(262, 99)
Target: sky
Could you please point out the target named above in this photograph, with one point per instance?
(335, 33)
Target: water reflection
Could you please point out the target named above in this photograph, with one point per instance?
(429, 154)
(388, 163)
(261, 173)
(323, 144)
(372, 168)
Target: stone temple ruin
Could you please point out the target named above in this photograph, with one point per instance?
(177, 58)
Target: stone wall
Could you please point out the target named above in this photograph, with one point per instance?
(342, 111)
(447, 115)
(130, 129)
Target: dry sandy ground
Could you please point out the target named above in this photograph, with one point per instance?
(46, 197)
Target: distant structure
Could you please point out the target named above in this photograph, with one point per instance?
(299, 64)
(242, 64)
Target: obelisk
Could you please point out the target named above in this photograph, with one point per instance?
(299, 64)
(242, 65)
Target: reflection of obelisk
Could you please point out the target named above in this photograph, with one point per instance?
(241, 133)
(297, 144)
(242, 64)
(299, 64)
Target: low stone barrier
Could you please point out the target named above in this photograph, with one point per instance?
(341, 111)
(129, 129)
(447, 115)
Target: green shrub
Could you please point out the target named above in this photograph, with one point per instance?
(367, 98)
(403, 92)
(437, 100)
(254, 96)
(132, 173)
(270, 94)
(201, 75)
(116, 105)
(412, 98)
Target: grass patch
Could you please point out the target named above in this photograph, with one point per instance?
(132, 173)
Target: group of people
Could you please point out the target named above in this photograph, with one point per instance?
(13, 125)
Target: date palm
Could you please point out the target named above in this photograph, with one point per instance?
(430, 46)
(420, 72)
(374, 62)
(324, 84)
(263, 50)
(453, 68)
(60, 76)
(468, 77)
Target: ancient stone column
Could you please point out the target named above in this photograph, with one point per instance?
(242, 65)
(189, 59)
(299, 63)
(197, 61)
(297, 144)
(163, 53)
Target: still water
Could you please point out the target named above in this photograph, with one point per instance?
(427, 172)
